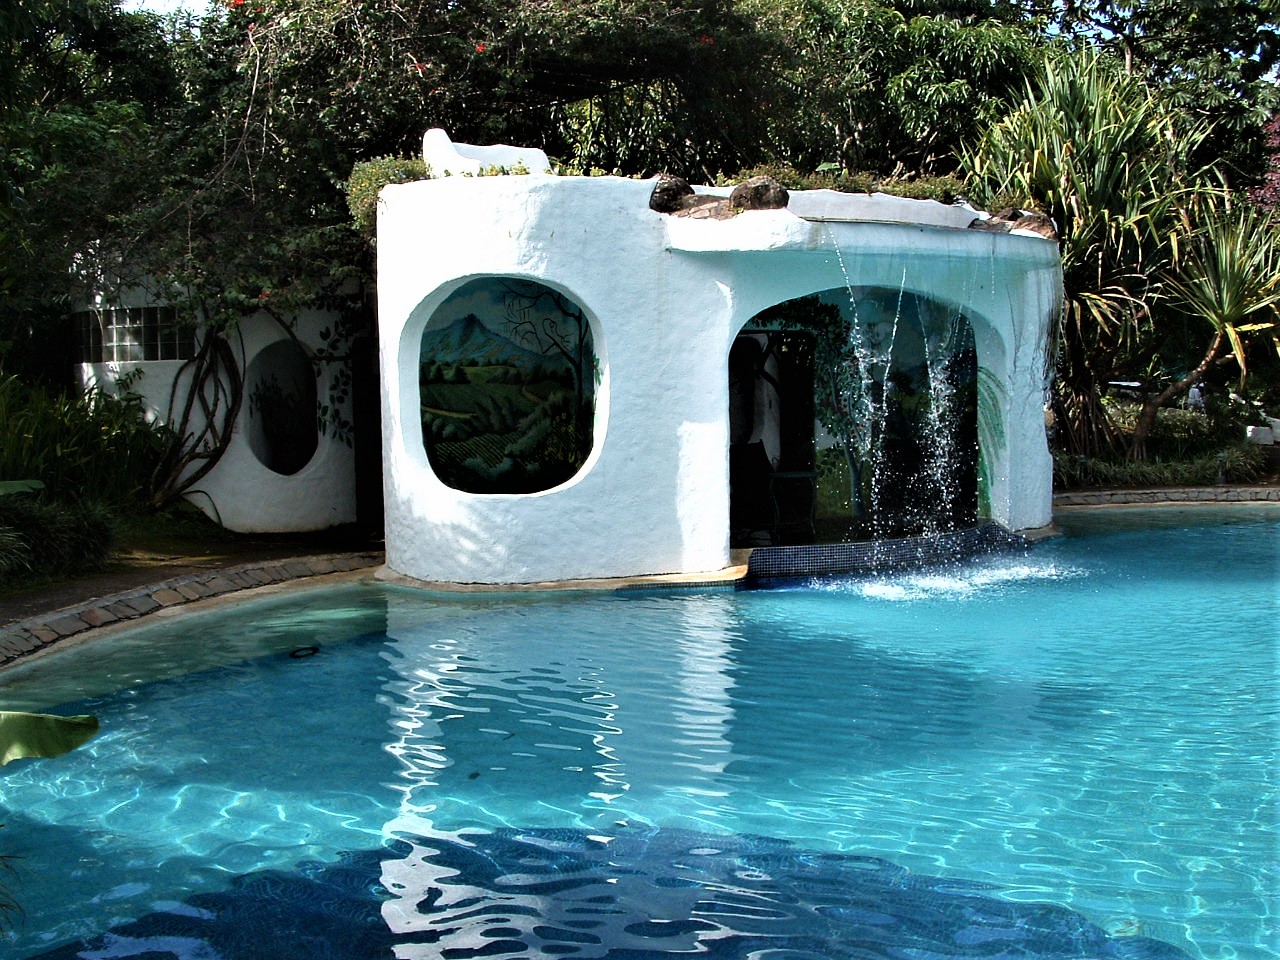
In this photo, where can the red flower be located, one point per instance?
(480, 47)
(264, 296)
(707, 40)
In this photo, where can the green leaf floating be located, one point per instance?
(19, 486)
(42, 734)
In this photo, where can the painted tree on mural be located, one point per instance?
(549, 323)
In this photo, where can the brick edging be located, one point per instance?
(1214, 494)
(19, 639)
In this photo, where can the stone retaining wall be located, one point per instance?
(1217, 494)
(25, 637)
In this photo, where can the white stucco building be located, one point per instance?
(665, 296)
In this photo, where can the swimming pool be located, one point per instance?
(1070, 753)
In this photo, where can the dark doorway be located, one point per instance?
(773, 484)
(366, 415)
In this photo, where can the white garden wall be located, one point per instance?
(242, 492)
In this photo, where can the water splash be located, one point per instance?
(958, 583)
(905, 384)
(942, 347)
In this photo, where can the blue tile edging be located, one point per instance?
(877, 556)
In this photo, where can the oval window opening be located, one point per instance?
(507, 387)
(281, 390)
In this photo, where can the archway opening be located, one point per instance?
(853, 416)
(507, 386)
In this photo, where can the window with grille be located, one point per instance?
(133, 333)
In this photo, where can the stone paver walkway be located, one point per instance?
(38, 633)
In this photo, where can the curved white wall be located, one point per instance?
(244, 495)
(666, 296)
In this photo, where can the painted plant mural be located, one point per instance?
(507, 381)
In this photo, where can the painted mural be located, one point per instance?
(507, 379)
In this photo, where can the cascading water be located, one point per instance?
(944, 346)
(879, 374)
(908, 454)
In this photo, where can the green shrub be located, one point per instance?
(367, 180)
(1245, 463)
(1180, 434)
(15, 558)
(943, 189)
(44, 538)
(89, 444)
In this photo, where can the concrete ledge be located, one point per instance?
(36, 634)
(874, 556)
(730, 576)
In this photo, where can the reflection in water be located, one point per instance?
(814, 772)
(488, 710)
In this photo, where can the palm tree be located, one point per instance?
(1104, 156)
(1229, 275)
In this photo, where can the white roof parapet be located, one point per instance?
(836, 205)
(446, 158)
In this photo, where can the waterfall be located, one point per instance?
(904, 429)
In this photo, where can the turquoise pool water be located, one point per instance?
(1070, 753)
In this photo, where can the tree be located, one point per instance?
(1214, 59)
(80, 85)
(1267, 192)
(1107, 158)
(1229, 276)
(894, 88)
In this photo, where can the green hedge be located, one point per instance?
(942, 189)
(1245, 463)
(367, 180)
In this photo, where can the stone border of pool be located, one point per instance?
(37, 634)
(23, 638)
(1188, 495)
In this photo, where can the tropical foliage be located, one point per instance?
(1108, 157)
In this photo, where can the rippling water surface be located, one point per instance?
(1067, 753)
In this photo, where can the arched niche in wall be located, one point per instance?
(869, 420)
(280, 392)
(507, 385)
